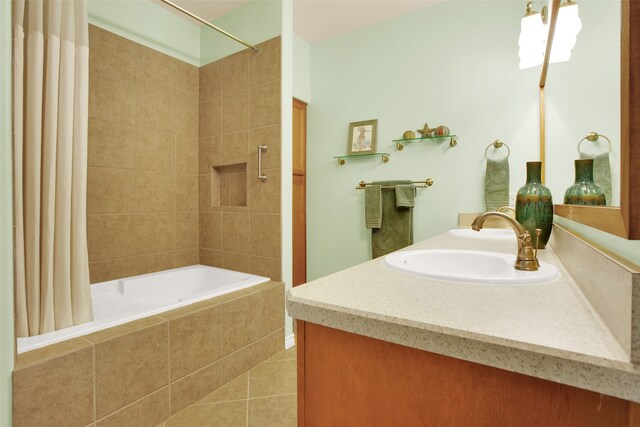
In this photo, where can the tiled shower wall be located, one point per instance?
(142, 194)
(172, 178)
(239, 110)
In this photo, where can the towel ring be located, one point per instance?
(497, 144)
(593, 137)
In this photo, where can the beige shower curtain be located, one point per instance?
(50, 94)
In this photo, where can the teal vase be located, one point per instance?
(534, 206)
(584, 191)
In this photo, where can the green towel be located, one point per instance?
(405, 196)
(396, 230)
(496, 183)
(601, 172)
(372, 206)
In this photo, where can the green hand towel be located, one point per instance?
(601, 172)
(496, 183)
(396, 230)
(372, 206)
(405, 196)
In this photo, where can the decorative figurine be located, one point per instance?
(409, 134)
(426, 130)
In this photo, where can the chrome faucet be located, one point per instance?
(527, 257)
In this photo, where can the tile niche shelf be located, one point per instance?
(400, 143)
(342, 159)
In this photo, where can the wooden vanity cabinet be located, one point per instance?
(346, 379)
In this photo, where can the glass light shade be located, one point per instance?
(532, 41)
(568, 26)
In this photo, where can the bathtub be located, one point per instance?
(120, 301)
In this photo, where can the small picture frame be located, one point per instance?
(362, 137)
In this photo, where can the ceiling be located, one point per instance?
(316, 20)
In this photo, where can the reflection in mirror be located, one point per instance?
(582, 96)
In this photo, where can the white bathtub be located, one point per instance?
(120, 301)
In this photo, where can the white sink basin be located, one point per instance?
(485, 233)
(476, 267)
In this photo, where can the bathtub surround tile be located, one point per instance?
(267, 267)
(272, 310)
(109, 190)
(112, 100)
(235, 148)
(211, 257)
(235, 232)
(38, 398)
(187, 117)
(186, 154)
(195, 341)
(241, 361)
(264, 197)
(235, 111)
(233, 185)
(270, 136)
(186, 196)
(240, 325)
(265, 64)
(236, 262)
(156, 70)
(224, 414)
(153, 232)
(193, 387)
(110, 236)
(265, 104)
(102, 271)
(210, 81)
(158, 261)
(187, 77)
(186, 257)
(209, 154)
(288, 354)
(276, 411)
(235, 72)
(187, 230)
(273, 344)
(112, 144)
(112, 56)
(156, 192)
(155, 109)
(209, 192)
(265, 235)
(155, 151)
(211, 230)
(149, 411)
(210, 117)
(131, 362)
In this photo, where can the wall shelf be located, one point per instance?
(400, 143)
(342, 159)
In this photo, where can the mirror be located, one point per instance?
(591, 92)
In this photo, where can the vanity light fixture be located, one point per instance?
(534, 30)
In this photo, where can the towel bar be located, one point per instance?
(421, 184)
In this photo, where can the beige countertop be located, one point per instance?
(547, 330)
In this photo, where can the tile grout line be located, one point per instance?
(248, 391)
(95, 386)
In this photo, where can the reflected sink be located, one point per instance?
(485, 233)
(464, 266)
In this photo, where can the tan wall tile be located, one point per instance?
(111, 144)
(187, 117)
(154, 192)
(57, 391)
(235, 232)
(211, 257)
(110, 236)
(209, 154)
(156, 70)
(194, 387)
(155, 150)
(265, 104)
(153, 232)
(112, 56)
(264, 197)
(109, 190)
(273, 344)
(236, 262)
(240, 325)
(209, 192)
(235, 111)
(102, 271)
(195, 341)
(272, 310)
(187, 230)
(265, 65)
(265, 235)
(155, 109)
(210, 117)
(273, 410)
(149, 411)
(233, 188)
(130, 367)
(112, 100)
(210, 81)
(235, 148)
(235, 72)
(227, 414)
(268, 267)
(186, 198)
(151, 263)
(269, 135)
(187, 77)
(186, 154)
(211, 230)
(241, 361)
(187, 257)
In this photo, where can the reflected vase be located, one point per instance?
(534, 206)
(585, 191)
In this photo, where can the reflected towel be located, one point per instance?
(601, 172)
(496, 183)
(396, 231)
(405, 196)
(372, 206)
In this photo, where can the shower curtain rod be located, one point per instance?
(208, 24)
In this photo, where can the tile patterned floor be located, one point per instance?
(264, 397)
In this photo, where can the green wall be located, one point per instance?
(301, 69)
(6, 218)
(455, 63)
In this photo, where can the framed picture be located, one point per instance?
(362, 137)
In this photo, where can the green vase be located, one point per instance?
(584, 191)
(534, 207)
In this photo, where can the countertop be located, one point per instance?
(547, 330)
